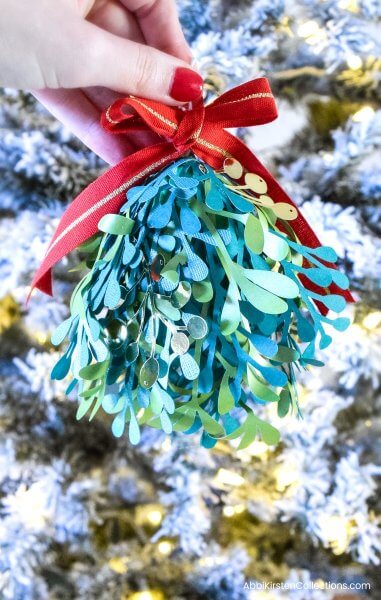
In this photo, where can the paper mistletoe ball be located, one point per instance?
(194, 310)
(206, 288)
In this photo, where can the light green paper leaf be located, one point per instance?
(284, 403)
(172, 276)
(275, 247)
(249, 430)
(261, 298)
(202, 291)
(262, 391)
(269, 434)
(276, 283)
(254, 238)
(115, 224)
(225, 397)
(286, 355)
(84, 407)
(231, 314)
(174, 262)
(91, 391)
(182, 422)
(91, 244)
(95, 371)
(97, 405)
(210, 425)
(165, 307)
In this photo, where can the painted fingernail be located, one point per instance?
(186, 85)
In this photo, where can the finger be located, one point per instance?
(114, 17)
(75, 110)
(98, 57)
(159, 22)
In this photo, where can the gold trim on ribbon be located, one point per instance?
(104, 200)
(109, 119)
(251, 97)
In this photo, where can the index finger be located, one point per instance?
(160, 25)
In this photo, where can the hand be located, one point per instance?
(80, 55)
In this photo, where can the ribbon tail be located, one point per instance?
(105, 195)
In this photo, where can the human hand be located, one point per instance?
(80, 55)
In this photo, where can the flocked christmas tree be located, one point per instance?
(85, 515)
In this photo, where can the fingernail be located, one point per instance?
(186, 85)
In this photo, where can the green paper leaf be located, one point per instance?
(284, 403)
(269, 434)
(167, 308)
(115, 224)
(286, 355)
(249, 430)
(254, 238)
(202, 291)
(276, 283)
(95, 371)
(174, 262)
(210, 425)
(225, 397)
(84, 407)
(262, 299)
(91, 391)
(259, 389)
(172, 276)
(91, 244)
(184, 422)
(231, 314)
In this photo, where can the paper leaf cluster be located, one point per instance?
(194, 310)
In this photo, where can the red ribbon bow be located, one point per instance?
(202, 130)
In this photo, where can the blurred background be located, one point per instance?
(86, 516)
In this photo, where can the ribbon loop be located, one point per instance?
(249, 104)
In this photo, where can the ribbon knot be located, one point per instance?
(202, 129)
(189, 128)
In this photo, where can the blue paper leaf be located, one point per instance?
(190, 222)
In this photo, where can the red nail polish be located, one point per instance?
(186, 85)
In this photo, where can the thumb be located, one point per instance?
(128, 67)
